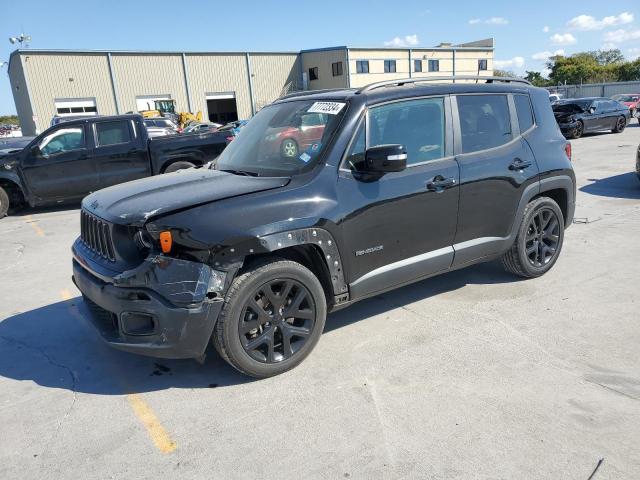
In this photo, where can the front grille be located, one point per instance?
(96, 234)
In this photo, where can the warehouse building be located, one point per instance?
(223, 86)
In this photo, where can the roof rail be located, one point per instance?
(404, 81)
(309, 92)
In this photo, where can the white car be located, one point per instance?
(554, 97)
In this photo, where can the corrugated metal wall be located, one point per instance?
(19, 88)
(211, 73)
(274, 75)
(146, 74)
(596, 89)
(59, 75)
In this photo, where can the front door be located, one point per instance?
(120, 155)
(496, 165)
(60, 168)
(400, 226)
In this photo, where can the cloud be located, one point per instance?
(633, 53)
(545, 29)
(563, 39)
(621, 36)
(587, 22)
(489, 21)
(514, 62)
(547, 54)
(406, 41)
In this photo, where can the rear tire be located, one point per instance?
(578, 131)
(272, 318)
(4, 202)
(621, 123)
(539, 240)
(175, 166)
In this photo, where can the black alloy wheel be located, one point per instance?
(621, 123)
(543, 237)
(579, 130)
(277, 320)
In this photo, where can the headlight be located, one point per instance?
(143, 240)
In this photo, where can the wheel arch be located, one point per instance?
(198, 162)
(14, 190)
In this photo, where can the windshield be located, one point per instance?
(283, 139)
(572, 106)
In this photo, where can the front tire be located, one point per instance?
(175, 166)
(539, 240)
(272, 318)
(621, 123)
(4, 202)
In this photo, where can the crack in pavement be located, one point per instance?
(51, 361)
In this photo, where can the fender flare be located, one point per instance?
(15, 179)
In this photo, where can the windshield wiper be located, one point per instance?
(240, 172)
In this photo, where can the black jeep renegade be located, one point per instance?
(325, 198)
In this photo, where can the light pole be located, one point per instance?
(21, 39)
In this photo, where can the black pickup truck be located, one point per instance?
(72, 159)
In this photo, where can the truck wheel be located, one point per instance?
(621, 123)
(175, 166)
(539, 240)
(4, 202)
(289, 148)
(272, 318)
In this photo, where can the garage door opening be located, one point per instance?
(221, 107)
(67, 107)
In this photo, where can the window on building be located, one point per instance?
(336, 69)
(482, 65)
(416, 124)
(313, 73)
(389, 66)
(417, 65)
(74, 106)
(484, 121)
(112, 133)
(523, 109)
(434, 65)
(362, 66)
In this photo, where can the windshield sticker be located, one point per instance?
(332, 108)
(305, 157)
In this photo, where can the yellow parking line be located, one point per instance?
(35, 226)
(143, 411)
(156, 431)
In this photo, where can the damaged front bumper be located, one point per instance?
(160, 308)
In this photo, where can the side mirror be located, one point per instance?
(35, 151)
(386, 158)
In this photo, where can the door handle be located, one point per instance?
(519, 164)
(439, 183)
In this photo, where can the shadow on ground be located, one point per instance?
(54, 346)
(625, 185)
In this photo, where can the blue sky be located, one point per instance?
(525, 32)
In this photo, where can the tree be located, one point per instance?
(536, 79)
(592, 67)
(504, 73)
(608, 57)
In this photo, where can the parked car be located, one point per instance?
(72, 159)
(406, 182)
(632, 101)
(196, 127)
(579, 115)
(554, 97)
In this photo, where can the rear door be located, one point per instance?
(119, 151)
(400, 226)
(496, 165)
(63, 168)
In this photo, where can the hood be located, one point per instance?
(133, 203)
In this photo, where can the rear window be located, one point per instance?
(484, 121)
(112, 133)
(525, 114)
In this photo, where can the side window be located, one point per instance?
(416, 124)
(484, 121)
(112, 133)
(63, 140)
(355, 155)
(523, 109)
